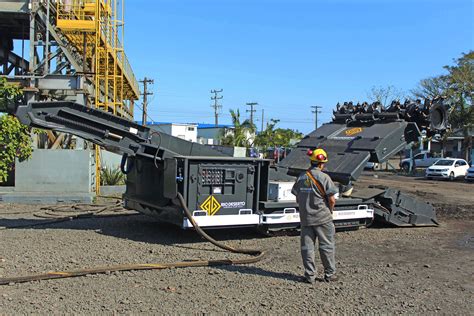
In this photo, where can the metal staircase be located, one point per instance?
(77, 43)
(75, 54)
(94, 28)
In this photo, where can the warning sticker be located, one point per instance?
(353, 131)
(211, 205)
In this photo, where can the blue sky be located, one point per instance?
(287, 54)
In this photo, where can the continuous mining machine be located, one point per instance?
(223, 191)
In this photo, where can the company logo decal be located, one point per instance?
(233, 204)
(211, 205)
(353, 131)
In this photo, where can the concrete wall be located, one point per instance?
(62, 171)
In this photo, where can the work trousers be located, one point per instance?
(325, 235)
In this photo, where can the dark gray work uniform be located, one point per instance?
(316, 222)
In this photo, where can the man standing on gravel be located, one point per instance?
(315, 193)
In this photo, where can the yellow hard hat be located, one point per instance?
(317, 155)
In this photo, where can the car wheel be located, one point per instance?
(451, 176)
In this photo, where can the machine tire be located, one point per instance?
(451, 176)
(406, 167)
(369, 223)
(264, 231)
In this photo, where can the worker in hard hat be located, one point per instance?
(316, 196)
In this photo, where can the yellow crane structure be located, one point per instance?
(96, 28)
(76, 53)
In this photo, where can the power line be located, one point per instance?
(316, 111)
(251, 104)
(145, 94)
(216, 105)
(148, 116)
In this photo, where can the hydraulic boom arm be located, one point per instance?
(109, 131)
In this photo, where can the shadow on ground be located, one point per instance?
(135, 227)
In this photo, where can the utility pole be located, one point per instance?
(252, 110)
(145, 94)
(216, 105)
(316, 111)
(263, 111)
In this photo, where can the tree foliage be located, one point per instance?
(15, 140)
(430, 88)
(458, 87)
(384, 95)
(242, 133)
(276, 137)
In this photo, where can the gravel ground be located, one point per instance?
(382, 270)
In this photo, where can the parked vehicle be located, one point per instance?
(447, 168)
(371, 166)
(421, 160)
(470, 174)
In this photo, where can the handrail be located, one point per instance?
(75, 10)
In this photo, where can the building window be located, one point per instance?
(191, 129)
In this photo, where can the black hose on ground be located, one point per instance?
(257, 256)
(203, 234)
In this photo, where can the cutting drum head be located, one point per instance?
(438, 117)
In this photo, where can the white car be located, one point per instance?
(447, 168)
(371, 166)
(421, 160)
(470, 174)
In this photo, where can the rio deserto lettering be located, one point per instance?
(232, 204)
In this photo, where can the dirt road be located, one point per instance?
(385, 270)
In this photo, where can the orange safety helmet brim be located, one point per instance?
(317, 155)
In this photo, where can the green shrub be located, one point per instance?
(111, 176)
(15, 140)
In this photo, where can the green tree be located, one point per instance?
(458, 87)
(431, 88)
(460, 92)
(15, 140)
(276, 137)
(241, 136)
(266, 137)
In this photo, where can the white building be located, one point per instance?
(181, 130)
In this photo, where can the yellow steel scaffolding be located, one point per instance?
(96, 29)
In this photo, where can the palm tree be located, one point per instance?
(242, 133)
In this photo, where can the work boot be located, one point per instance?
(307, 280)
(330, 278)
